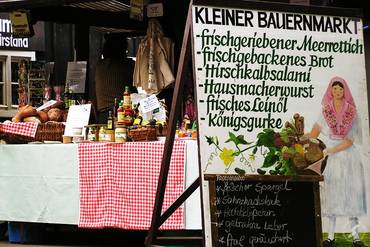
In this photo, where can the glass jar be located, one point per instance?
(120, 133)
(91, 135)
(109, 135)
(102, 134)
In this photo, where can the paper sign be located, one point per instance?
(76, 76)
(20, 24)
(149, 104)
(46, 105)
(155, 10)
(78, 116)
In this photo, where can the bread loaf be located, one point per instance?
(55, 114)
(43, 116)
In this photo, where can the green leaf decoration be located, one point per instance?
(233, 138)
(243, 141)
(237, 139)
(266, 138)
(273, 150)
(209, 140)
(270, 159)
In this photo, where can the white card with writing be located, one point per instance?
(149, 104)
(78, 117)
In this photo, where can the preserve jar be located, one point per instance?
(120, 133)
(102, 134)
(91, 136)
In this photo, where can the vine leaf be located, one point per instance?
(237, 139)
(210, 140)
(266, 138)
(270, 159)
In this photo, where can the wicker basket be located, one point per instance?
(143, 134)
(49, 131)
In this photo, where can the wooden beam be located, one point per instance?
(9, 5)
(174, 115)
(87, 17)
(185, 195)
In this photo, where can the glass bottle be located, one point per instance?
(115, 109)
(127, 98)
(72, 97)
(120, 113)
(110, 121)
(66, 95)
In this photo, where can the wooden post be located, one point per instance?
(157, 218)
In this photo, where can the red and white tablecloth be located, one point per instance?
(118, 184)
(23, 129)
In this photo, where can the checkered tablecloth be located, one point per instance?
(22, 129)
(118, 184)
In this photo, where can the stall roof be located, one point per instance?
(110, 14)
(8, 5)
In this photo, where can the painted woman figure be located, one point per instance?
(343, 193)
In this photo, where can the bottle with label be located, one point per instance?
(72, 97)
(110, 121)
(120, 113)
(115, 109)
(127, 98)
(66, 95)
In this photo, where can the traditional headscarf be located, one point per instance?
(340, 123)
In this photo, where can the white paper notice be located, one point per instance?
(46, 105)
(76, 76)
(149, 104)
(78, 116)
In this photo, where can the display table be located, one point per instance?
(40, 183)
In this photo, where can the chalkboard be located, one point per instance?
(260, 211)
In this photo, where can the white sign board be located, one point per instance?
(76, 76)
(78, 117)
(256, 69)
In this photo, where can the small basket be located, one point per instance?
(143, 134)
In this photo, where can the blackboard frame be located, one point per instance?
(313, 180)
